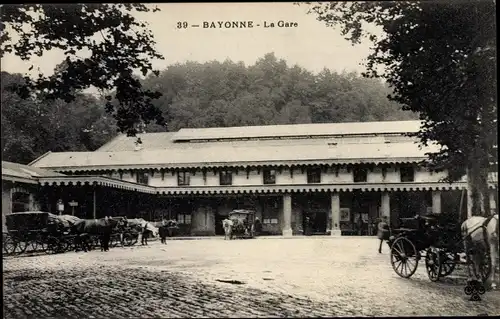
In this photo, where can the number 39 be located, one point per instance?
(182, 25)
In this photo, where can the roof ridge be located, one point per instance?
(38, 158)
(296, 124)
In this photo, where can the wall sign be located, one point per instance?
(345, 214)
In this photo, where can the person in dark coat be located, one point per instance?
(258, 226)
(383, 232)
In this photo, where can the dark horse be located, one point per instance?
(102, 228)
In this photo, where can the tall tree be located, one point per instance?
(439, 58)
(118, 44)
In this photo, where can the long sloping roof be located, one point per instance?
(165, 140)
(24, 172)
(243, 154)
(316, 129)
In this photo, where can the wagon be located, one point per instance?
(128, 235)
(36, 231)
(437, 239)
(243, 223)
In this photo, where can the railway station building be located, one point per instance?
(339, 177)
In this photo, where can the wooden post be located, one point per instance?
(94, 203)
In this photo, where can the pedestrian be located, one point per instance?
(383, 232)
(360, 225)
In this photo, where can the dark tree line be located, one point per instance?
(196, 95)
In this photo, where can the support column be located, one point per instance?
(386, 206)
(436, 202)
(94, 210)
(335, 215)
(32, 202)
(287, 215)
(493, 202)
(469, 201)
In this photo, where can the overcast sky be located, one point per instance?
(311, 45)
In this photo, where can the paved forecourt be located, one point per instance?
(311, 276)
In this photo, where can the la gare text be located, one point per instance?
(248, 24)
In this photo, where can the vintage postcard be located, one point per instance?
(271, 159)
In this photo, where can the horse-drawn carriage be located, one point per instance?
(436, 238)
(37, 231)
(242, 223)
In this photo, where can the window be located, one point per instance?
(269, 176)
(184, 218)
(183, 178)
(360, 175)
(142, 178)
(226, 178)
(313, 175)
(20, 202)
(407, 174)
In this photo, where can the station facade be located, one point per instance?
(332, 178)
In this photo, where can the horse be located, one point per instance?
(480, 236)
(166, 229)
(147, 228)
(102, 227)
(227, 224)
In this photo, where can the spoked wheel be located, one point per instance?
(9, 245)
(22, 246)
(448, 263)
(130, 239)
(433, 263)
(114, 241)
(404, 257)
(55, 245)
(485, 266)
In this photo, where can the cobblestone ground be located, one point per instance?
(241, 278)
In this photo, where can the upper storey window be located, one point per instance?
(183, 178)
(360, 175)
(226, 178)
(142, 178)
(269, 176)
(407, 174)
(314, 175)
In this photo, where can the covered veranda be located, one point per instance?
(95, 197)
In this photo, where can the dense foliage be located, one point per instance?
(439, 57)
(197, 95)
(268, 92)
(33, 126)
(116, 45)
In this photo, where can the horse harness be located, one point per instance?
(483, 226)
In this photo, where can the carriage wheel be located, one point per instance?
(22, 246)
(448, 263)
(33, 245)
(433, 263)
(130, 239)
(9, 245)
(404, 257)
(485, 267)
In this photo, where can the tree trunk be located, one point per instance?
(477, 180)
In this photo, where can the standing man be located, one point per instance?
(360, 225)
(383, 232)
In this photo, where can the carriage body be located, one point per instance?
(435, 237)
(243, 223)
(36, 231)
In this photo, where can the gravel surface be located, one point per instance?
(241, 278)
